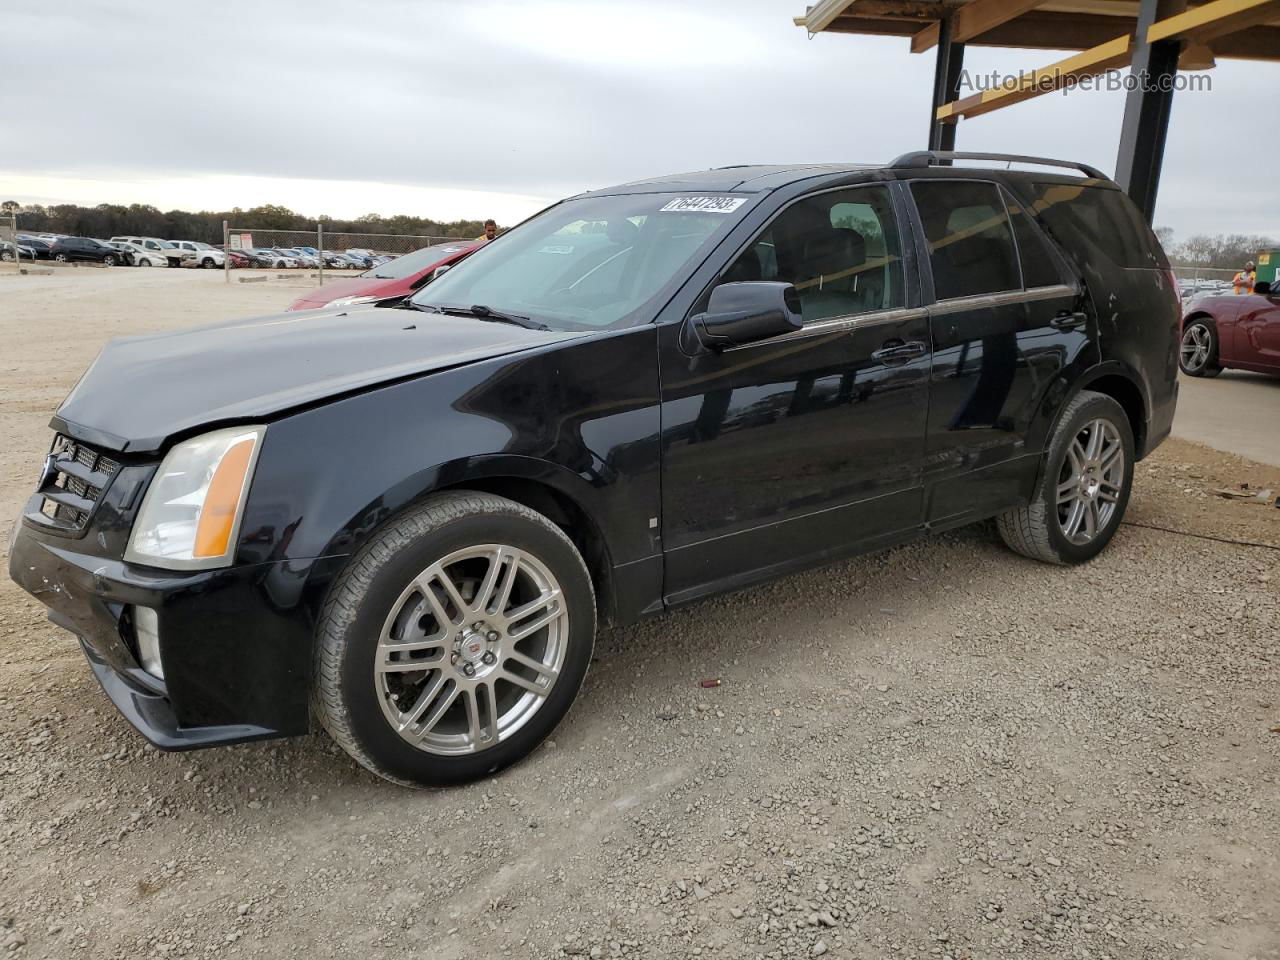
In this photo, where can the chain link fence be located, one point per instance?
(318, 252)
(1196, 280)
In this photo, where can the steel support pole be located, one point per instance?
(320, 249)
(946, 86)
(1147, 106)
(226, 253)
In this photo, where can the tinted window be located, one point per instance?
(1040, 265)
(840, 249)
(1100, 221)
(970, 243)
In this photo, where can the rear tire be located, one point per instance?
(1084, 489)
(453, 585)
(108, 261)
(1198, 350)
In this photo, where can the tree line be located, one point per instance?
(1224, 251)
(143, 220)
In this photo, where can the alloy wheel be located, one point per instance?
(471, 649)
(1090, 481)
(1197, 341)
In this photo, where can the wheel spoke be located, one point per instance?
(429, 693)
(484, 594)
(1077, 456)
(1095, 440)
(1067, 490)
(507, 585)
(426, 583)
(1110, 454)
(441, 707)
(1072, 524)
(1091, 520)
(543, 671)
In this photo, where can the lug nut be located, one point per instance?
(492, 636)
(489, 657)
(453, 659)
(469, 669)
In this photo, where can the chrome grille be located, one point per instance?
(75, 478)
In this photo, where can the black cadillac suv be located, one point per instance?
(406, 522)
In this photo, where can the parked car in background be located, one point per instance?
(9, 251)
(202, 254)
(165, 248)
(140, 256)
(1232, 332)
(393, 280)
(239, 258)
(70, 249)
(304, 259)
(38, 245)
(275, 259)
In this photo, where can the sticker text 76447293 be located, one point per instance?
(703, 205)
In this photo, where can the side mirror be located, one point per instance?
(747, 311)
(1264, 287)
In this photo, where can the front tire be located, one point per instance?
(1084, 490)
(454, 641)
(1198, 351)
(108, 261)
(207, 263)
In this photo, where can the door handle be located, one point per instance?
(897, 351)
(1067, 320)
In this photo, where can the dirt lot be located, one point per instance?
(943, 751)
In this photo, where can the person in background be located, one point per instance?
(490, 231)
(1242, 282)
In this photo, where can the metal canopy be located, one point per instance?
(1155, 37)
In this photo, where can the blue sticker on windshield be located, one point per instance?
(703, 205)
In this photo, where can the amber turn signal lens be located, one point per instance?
(213, 535)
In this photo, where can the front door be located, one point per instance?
(1258, 333)
(802, 447)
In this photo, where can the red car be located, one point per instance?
(1237, 331)
(391, 280)
(238, 259)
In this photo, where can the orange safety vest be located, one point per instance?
(1243, 282)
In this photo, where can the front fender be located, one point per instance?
(580, 417)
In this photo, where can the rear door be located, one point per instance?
(1006, 321)
(1258, 333)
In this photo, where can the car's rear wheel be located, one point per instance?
(1198, 352)
(108, 261)
(60, 257)
(454, 641)
(144, 261)
(1084, 488)
(6, 256)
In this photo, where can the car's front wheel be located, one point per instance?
(108, 261)
(454, 641)
(1084, 489)
(1198, 352)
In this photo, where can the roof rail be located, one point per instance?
(923, 158)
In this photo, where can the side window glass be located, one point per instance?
(840, 249)
(1040, 265)
(970, 242)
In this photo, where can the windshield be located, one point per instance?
(590, 263)
(415, 262)
(166, 245)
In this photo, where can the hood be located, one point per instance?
(140, 391)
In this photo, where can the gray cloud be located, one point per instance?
(544, 99)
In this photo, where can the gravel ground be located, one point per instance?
(944, 751)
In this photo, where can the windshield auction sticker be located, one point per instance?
(703, 205)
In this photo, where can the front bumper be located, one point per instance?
(235, 643)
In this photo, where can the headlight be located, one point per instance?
(348, 301)
(191, 514)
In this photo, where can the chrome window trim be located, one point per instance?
(978, 301)
(842, 324)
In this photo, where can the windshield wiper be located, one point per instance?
(481, 312)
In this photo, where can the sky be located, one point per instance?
(476, 108)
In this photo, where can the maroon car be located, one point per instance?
(1241, 332)
(392, 280)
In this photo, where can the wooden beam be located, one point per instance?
(1039, 30)
(977, 17)
(1260, 43)
(817, 17)
(876, 27)
(1034, 83)
(1215, 19)
(926, 38)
